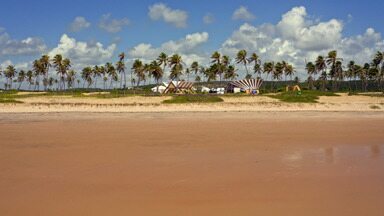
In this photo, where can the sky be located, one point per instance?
(94, 32)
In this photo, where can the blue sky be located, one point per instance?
(50, 20)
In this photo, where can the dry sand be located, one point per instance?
(135, 104)
(302, 163)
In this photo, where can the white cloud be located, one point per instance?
(208, 18)
(187, 47)
(176, 17)
(13, 47)
(112, 25)
(242, 13)
(296, 38)
(83, 53)
(79, 24)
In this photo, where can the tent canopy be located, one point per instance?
(246, 84)
(179, 87)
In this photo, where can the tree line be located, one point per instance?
(324, 69)
(330, 68)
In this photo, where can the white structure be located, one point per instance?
(236, 90)
(220, 90)
(158, 89)
(205, 89)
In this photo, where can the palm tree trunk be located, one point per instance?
(125, 80)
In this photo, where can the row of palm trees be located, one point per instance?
(221, 67)
(330, 68)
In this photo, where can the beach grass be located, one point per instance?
(185, 99)
(304, 97)
(374, 107)
(9, 97)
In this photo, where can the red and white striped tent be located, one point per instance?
(179, 87)
(247, 84)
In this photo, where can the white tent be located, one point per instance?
(159, 89)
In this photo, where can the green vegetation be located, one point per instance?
(9, 97)
(181, 99)
(305, 97)
(374, 107)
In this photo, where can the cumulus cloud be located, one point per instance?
(242, 13)
(187, 47)
(112, 25)
(13, 47)
(176, 17)
(208, 18)
(79, 24)
(296, 38)
(83, 53)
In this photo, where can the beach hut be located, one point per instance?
(179, 87)
(250, 86)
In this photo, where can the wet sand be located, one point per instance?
(296, 163)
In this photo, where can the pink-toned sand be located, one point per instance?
(299, 164)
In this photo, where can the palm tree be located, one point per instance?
(86, 75)
(321, 67)
(269, 68)
(157, 72)
(103, 73)
(51, 81)
(334, 73)
(138, 70)
(29, 78)
(111, 71)
(21, 77)
(278, 72)
(45, 65)
(62, 66)
(225, 61)
(105, 79)
(38, 70)
(10, 73)
(195, 68)
(230, 73)
(241, 58)
(216, 67)
(147, 73)
(163, 60)
(210, 73)
(96, 72)
(339, 73)
(363, 75)
(378, 64)
(176, 64)
(350, 73)
(58, 65)
(257, 64)
(197, 78)
(288, 70)
(71, 77)
(120, 67)
(311, 70)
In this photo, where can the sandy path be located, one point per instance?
(306, 163)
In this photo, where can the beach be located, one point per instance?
(304, 162)
(150, 104)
